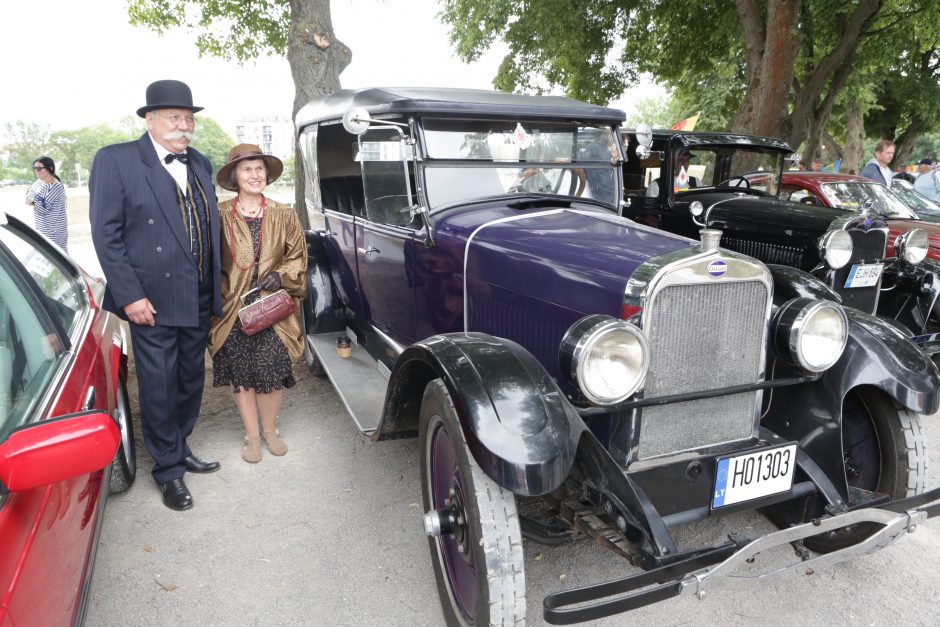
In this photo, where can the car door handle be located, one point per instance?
(89, 401)
(326, 233)
(368, 251)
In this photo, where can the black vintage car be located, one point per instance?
(570, 372)
(732, 183)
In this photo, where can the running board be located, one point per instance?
(357, 379)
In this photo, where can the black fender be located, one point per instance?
(876, 354)
(519, 426)
(794, 283)
(322, 313)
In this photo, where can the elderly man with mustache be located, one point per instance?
(155, 226)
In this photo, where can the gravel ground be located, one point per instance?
(331, 534)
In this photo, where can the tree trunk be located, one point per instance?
(814, 101)
(771, 53)
(904, 144)
(854, 137)
(316, 60)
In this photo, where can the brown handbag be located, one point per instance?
(266, 311)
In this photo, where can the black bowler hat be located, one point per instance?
(168, 94)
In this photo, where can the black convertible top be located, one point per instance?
(453, 101)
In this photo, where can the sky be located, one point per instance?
(80, 62)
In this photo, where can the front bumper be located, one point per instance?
(697, 574)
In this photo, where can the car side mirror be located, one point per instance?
(50, 451)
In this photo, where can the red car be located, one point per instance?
(66, 438)
(850, 192)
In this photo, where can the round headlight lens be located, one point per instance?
(818, 335)
(912, 246)
(610, 361)
(835, 248)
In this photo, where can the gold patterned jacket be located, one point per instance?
(283, 250)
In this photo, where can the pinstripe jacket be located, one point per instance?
(139, 237)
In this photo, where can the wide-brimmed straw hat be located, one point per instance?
(247, 151)
(168, 94)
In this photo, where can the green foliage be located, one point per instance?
(230, 29)
(212, 141)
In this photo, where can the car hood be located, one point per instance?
(577, 258)
(764, 210)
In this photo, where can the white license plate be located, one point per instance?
(864, 275)
(753, 475)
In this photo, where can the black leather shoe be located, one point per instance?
(176, 495)
(195, 464)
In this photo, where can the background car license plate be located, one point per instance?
(753, 475)
(864, 275)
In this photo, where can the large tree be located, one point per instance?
(774, 68)
(241, 30)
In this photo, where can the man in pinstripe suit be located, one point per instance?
(155, 226)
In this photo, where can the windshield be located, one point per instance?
(469, 159)
(854, 195)
(913, 199)
(694, 167)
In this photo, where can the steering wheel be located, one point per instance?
(538, 180)
(742, 182)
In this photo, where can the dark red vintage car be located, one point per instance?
(853, 193)
(66, 439)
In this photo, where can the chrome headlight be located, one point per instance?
(812, 332)
(835, 248)
(605, 358)
(912, 246)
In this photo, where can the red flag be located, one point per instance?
(687, 124)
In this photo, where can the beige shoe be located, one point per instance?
(275, 443)
(251, 452)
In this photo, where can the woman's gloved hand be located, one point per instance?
(271, 282)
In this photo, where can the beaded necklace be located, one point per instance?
(235, 215)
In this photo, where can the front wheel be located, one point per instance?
(124, 465)
(884, 451)
(472, 524)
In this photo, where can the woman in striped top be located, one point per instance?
(47, 196)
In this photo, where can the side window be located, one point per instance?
(308, 145)
(29, 342)
(56, 280)
(384, 160)
(339, 174)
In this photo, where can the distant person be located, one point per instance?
(926, 182)
(903, 174)
(877, 168)
(155, 226)
(263, 247)
(47, 197)
(682, 180)
(817, 165)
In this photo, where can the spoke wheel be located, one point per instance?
(477, 554)
(124, 465)
(884, 451)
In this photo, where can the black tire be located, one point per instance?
(485, 584)
(124, 465)
(884, 450)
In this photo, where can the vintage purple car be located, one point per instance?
(569, 372)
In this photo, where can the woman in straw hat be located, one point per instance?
(262, 247)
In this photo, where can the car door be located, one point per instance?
(387, 236)
(46, 370)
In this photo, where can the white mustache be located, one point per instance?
(189, 135)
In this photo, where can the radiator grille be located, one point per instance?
(766, 251)
(868, 247)
(702, 337)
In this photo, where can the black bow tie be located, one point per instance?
(182, 158)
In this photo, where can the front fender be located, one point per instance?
(794, 283)
(519, 426)
(876, 354)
